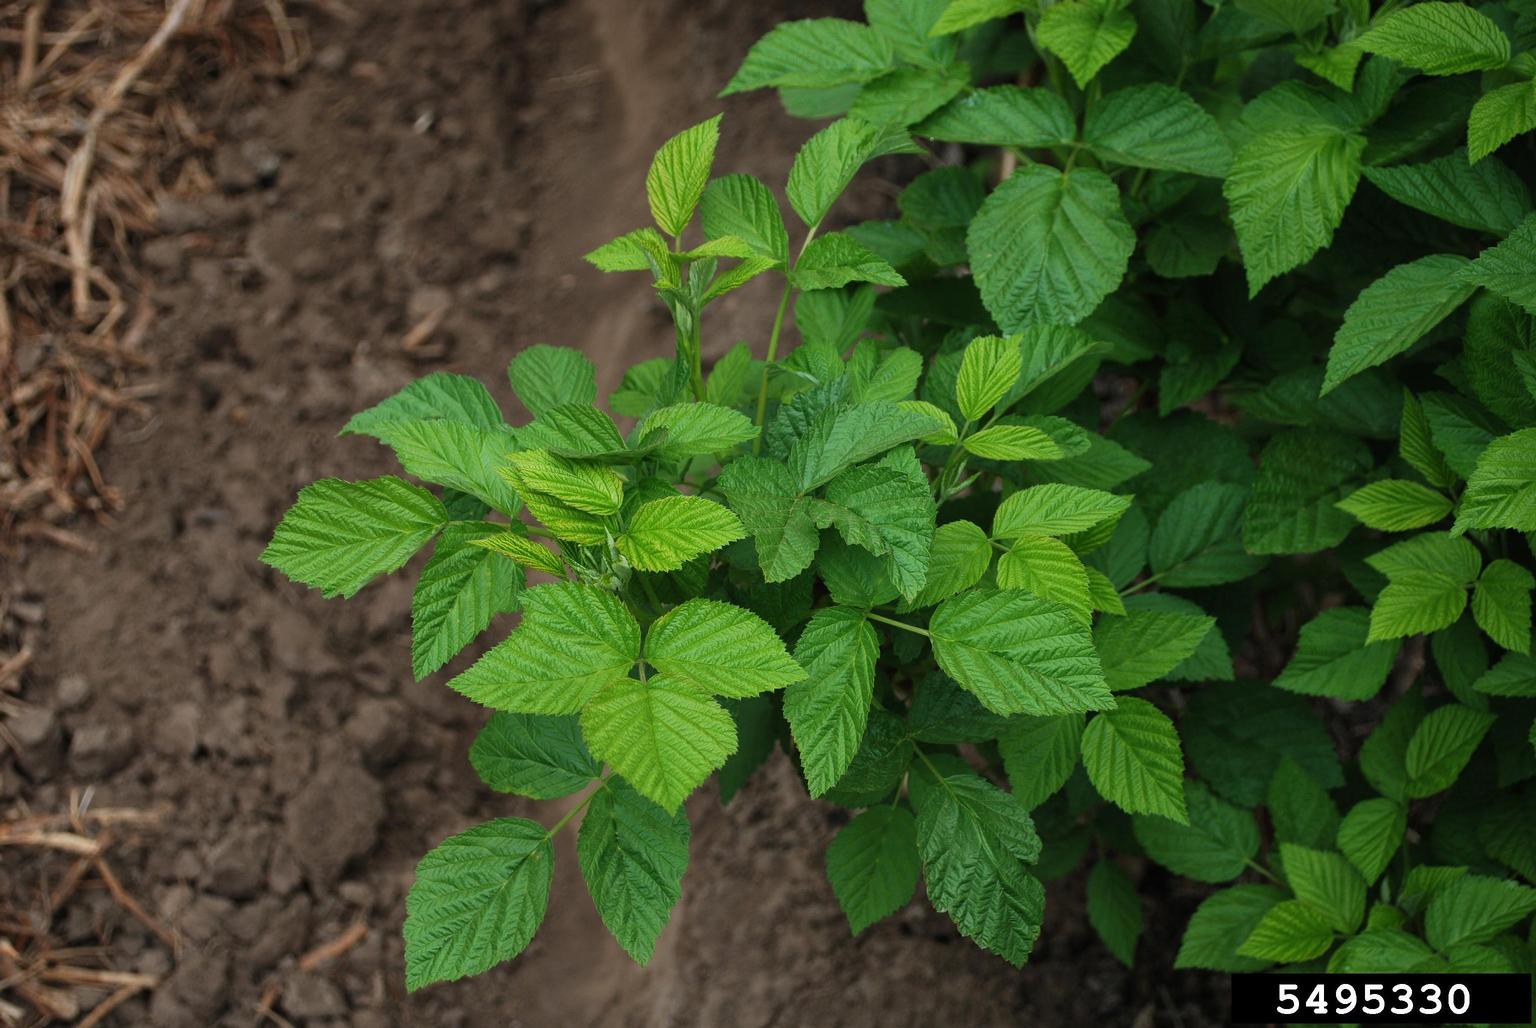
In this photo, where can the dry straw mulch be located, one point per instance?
(96, 128)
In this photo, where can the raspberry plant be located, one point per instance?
(1156, 486)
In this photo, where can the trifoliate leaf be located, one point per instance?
(1003, 116)
(1214, 846)
(1327, 883)
(1132, 756)
(1501, 604)
(1500, 115)
(1370, 834)
(548, 376)
(664, 735)
(531, 755)
(665, 534)
(1287, 191)
(1394, 312)
(477, 900)
(1040, 754)
(678, 175)
(1438, 39)
(828, 710)
(1486, 196)
(1086, 34)
(341, 534)
(1221, 924)
(720, 648)
(573, 641)
(959, 556)
(1018, 654)
(462, 587)
(813, 53)
(989, 367)
(1055, 509)
(1198, 539)
(454, 454)
(1289, 932)
(1333, 658)
(1441, 746)
(1047, 247)
(873, 865)
(1157, 126)
(1049, 569)
(835, 259)
(438, 395)
(525, 551)
(1302, 474)
(633, 855)
(1114, 909)
(1144, 645)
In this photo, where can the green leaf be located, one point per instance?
(959, 556)
(813, 53)
(1327, 883)
(1370, 835)
(1395, 505)
(1295, 16)
(1501, 604)
(1287, 191)
(1186, 245)
(1441, 746)
(1498, 116)
(1334, 659)
(1394, 312)
(843, 436)
(1114, 910)
(462, 587)
(1133, 758)
(1476, 908)
(907, 95)
(1198, 541)
(454, 454)
(827, 710)
(1501, 491)
(1486, 196)
(1417, 446)
(973, 838)
(1238, 735)
(741, 206)
(1157, 126)
(963, 14)
(1214, 846)
(887, 508)
(678, 174)
(764, 495)
(1040, 754)
(1438, 39)
(339, 534)
(515, 546)
(1013, 442)
(1301, 475)
(826, 164)
(1144, 645)
(547, 376)
(873, 865)
(664, 735)
(573, 640)
(988, 370)
(835, 259)
(1415, 602)
(1085, 34)
(1055, 509)
(633, 855)
(477, 900)
(589, 487)
(575, 430)
(1003, 116)
(1460, 429)
(1509, 269)
(1289, 932)
(540, 757)
(1018, 653)
(641, 250)
(665, 534)
(1049, 569)
(720, 648)
(1300, 809)
(694, 429)
(1222, 923)
(1047, 247)
(438, 395)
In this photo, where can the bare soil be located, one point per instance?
(435, 155)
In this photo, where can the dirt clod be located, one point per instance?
(332, 819)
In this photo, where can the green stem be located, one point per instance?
(773, 353)
(602, 783)
(898, 624)
(1254, 865)
(1139, 586)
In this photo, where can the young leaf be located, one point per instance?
(1133, 758)
(1486, 196)
(1334, 659)
(1047, 247)
(1049, 569)
(1499, 116)
(1438, 39)
(873, 865)
(1040, 754)
(575, 430)
(1018, 654)
(1055, 510)
(1370, 835)
(988, 370)
(813, 53)
(664, 736)
(1086, 34)
(1441, 746)
(1327, 883)
(573, 641)
(1114, 909)
(720, 648)
(694, 429)
(963, 14)
(665, 534)
(827, 710)
(1157, 126)
(462, 587)
(454, 454)
(540, 757)
(1009, 442)
(1289, 932)
(438, 395)
(1197, 541)
(835, 259)
(1394, 312)
(477, 900)
(678, 175)
(588, 487)
(339, 535)
(1003, 116)
(515, 546)
(741, 206)
(547, 376)
(1214, 846)
(633, 855)
(1221, 924)
(1144, 645)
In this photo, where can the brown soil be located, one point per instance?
(466, 154)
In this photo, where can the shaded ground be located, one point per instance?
(455, 157)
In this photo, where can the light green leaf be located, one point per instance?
(1133, 758)
(873, 865)
(529, 755)
(1055, 509)
(1198, 538)
(1417, 446)
(1394, 312)
(454, 454)
(438, 395)
(547, 376)
(989, 367)
(679, 172)
(694, 429)
(1085, 34)
(1438, 39)
(813, 53)
(1157, 126)
(1327, 883)
(515, 546)
(1415, 602)
(1301, 475)
(963, 14)
(1513, 675)
(339, 534)
(1441, 746)
(721, 648)
(1049, 569)
(1486, 196)
(1370, 835)
(1476, 908)
(1334, 659)
(741, 206)
(1222, 923)
(1395, 505)
(1047, 247)
(593, 488)
(1499, 116)
(665, 534)
(664, 735)
(1509, 269)
(1040, 754)
(1214, 846)
(1144, 645)
(633, 855)
(641, 250)
(1501, 491)
(959, 556)
(1018, 653)
(1501, 604)
(835, 259)
(573, 640)
(477, 900)
(1003, 116)
(1289, 932)
(828, 710)
(462, 587)
(575, 430)
(1114, 909)
(1013, 442)
(826, 164)
(1287, 191)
